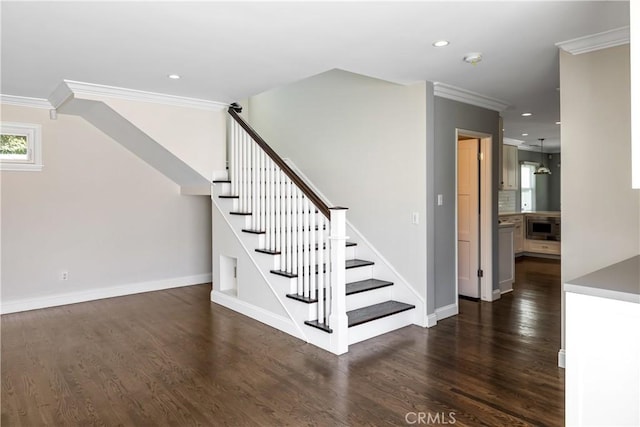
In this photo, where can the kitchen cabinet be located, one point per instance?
(518, 231)
(547, 247)
(509, 167)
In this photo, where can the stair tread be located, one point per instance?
(248, 230)
(227, 196)
(366, 285)
(221, 181)
(240, 213)
(376, 311)
(351, 289)
(350, 263)
(354, 263)
(274, 252)
(318, 325)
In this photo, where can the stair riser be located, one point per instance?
(380, 326)
(359, 273)
(367, 298)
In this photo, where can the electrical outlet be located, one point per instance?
(64, 275)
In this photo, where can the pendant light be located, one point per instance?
(542, 169)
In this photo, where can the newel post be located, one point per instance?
(338, 318)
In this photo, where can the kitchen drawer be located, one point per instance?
(542, 247)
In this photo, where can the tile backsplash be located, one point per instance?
(506, 201)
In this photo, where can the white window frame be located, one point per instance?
(33, 133)
(532, 188)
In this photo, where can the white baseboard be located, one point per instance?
(257, 313)
(447, 311)
(561, 358)
(101, 293)
(432, 320)
(495, 295)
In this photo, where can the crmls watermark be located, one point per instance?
(430, 418)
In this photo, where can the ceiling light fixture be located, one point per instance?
(440, 43)
(527, 114)
(173, 76)
(542, 169)
(473, 58)
(525, 134)
(557, 123)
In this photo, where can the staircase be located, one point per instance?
(299, 246)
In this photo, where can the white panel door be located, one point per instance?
(468, 218)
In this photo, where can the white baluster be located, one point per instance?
(283, 215)
(232, 156)
(306, 248)
(241, 172)
(245, 168)
(261, 200)
(289, 229)
(294, 230)
(271, 207)
(321, 273)
(255, 169)
(300, 242)
(313, 278)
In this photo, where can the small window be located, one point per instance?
(527, 187)
(20, 147)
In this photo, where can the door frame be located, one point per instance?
(486, 206)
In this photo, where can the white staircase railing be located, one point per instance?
(308, 236)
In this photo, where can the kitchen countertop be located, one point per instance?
(619, 281)
(506, 224)
(549, 213)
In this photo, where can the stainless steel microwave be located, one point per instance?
(543, 228)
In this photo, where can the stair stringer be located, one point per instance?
(296, 312)
(383, 269)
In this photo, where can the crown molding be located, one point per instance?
(593, 42)
(444, 90)
(70, 88)
(24, 101)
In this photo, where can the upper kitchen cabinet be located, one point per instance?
(509, 167)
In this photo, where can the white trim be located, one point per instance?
(257, 313)
(593, 42)
(432, 320)
(25, 101)
(91, 89)
(26, 304)
(60, 95)
(444, 90)
(562, 357)
(33, 134)
(447, 311)
(497, 293)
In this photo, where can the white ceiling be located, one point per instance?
(227, 51)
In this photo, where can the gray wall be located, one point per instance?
(547, 186)
(449, 116)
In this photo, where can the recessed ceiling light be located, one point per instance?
(525, 134)
(527, 114)
(440, 43)
(173, 76)
(557, 123)
(473, 58)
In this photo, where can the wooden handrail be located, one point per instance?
(234, 109)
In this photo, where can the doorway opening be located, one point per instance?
(474, 228)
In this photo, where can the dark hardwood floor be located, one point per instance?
(174, 358)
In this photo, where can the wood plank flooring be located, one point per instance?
(174, 358)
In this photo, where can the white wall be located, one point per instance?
(600, 211)
(599, 208)
(100, 213)
(362, 142)
(195, 136)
